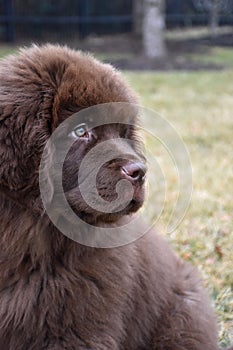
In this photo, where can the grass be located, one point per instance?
(218, 55)
(194, 32)
(6, 50)
(200, 106)
(222, 56)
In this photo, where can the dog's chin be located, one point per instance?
(96, 218)
(131, 208)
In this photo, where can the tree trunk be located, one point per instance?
(214, 18)
(153, 29)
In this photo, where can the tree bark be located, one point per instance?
(214, 17)
(153, 29)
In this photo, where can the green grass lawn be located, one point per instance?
(6, 50)
(200, 106)
(217, 55)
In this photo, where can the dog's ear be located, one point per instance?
(46, 173)
(10, 155)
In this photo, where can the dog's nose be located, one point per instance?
(134, 172)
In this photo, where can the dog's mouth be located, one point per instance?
(94, 217)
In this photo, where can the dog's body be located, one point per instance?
(64, 296)
(56, 294)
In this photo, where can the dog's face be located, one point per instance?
(38, 91)
(109, 172)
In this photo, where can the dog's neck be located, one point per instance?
(30, 242)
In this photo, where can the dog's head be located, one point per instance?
(39, 89)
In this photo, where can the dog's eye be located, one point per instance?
(80, 131)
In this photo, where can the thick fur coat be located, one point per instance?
(56, 294)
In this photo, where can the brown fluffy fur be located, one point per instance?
(54, 293)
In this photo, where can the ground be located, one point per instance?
(186, 50)
(194, 93)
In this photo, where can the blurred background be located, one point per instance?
(133, 34)
(178, 55)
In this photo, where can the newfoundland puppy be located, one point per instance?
(58, 294)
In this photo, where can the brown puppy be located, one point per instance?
(55, 293)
